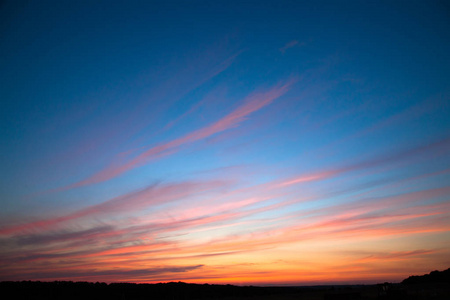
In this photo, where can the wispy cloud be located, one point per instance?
(252, 103)
(221, 220)
(289, 45)
(395, 255)
(109, 275)
(105, 248)
(152, 195)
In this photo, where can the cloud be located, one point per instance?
(108, 274)
(431, 149)
(357, 220)
(252, 103)
(32, 239)
(188, 231)
(395, 255)
(152, 195)
(104, 249)
(289, 45)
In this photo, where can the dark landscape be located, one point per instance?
(435, 285)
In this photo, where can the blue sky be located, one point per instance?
(225, 120)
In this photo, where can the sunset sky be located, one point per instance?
(233, 142)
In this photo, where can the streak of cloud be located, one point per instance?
(150, 196)
(252, 103)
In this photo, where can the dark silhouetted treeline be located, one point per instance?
(433, 277)
(435, 285)
(68, 290)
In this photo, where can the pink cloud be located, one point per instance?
(137, 200)
(252, 103)
(364, 221)
(309, 177)
(289, 45)
(434, 148)
(196, 72)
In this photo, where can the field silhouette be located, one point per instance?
(435, 285)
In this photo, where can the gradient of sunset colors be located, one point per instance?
(232, 142)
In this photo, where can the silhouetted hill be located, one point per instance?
(430, 286)
(432, 277)
(69, 290)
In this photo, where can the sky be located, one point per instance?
(230, 142)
